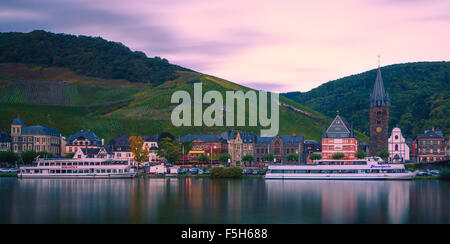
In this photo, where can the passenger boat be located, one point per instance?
(77, 168)
(367, 169)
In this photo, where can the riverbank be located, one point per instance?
(8, 175)
(196, 176)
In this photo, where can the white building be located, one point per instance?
(398, 149)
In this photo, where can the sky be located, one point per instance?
(275, 45)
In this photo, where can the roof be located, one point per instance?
(247, 137)
(90, 151)
(339, 128)
(311, 142)
(18, 121)
(86, 135)
(5, 139)
(290, 139)
(4, 133)
(39, 130)
(150, 138)
(379, 98)
(263, 140)
(430, 134)
(120, 141)
(287, 139)
(204, 138)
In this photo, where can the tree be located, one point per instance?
(248, 158)
(28, 157)
(203, 159)
(292, 157)
(169, 150)
(224, 158)
(69, 155)
(166, 135)
(138, 149)
(315, 156)
(361, 154)
(44, 154)
(338, 156)
(8, 157)
(268, 157)
(384, 154)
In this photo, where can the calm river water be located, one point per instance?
(188, 200)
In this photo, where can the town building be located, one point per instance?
(38, 138)
(5, 141)
(82, 139)
(279, 146)
(210, 145)
(311, 147)
(151, 142)
(430, 146)
(398, 149)
(339, 138)
(121, 150)
(101, 152)
(239, 144)
(379, 117)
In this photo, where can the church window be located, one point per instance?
(378, 122)
(396, 137)
(396, 147)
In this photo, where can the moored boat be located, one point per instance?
(77, 168)
(366, 169)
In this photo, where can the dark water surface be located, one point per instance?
(222, 201)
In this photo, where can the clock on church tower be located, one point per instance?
(379, 117)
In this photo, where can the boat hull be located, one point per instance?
(406, 176)
(77, 176)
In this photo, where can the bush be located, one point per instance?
(444, 174)
(230, 173)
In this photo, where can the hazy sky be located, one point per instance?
(275, 45)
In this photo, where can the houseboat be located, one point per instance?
(367, 169)
(77, 168)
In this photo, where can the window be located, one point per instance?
(396, 147)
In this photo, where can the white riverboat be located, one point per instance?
(97, 168)
(367, 169)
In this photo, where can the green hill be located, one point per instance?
(70, 98)
(85, 55)
(419, 93)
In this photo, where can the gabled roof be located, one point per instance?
(339, 128)
(379, 98)
(87, 135)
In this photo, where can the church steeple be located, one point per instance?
(379, 98)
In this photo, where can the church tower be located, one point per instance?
(379, 117)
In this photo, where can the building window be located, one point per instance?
(396, 147)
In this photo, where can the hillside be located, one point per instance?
(69, 99)
(66, 101)
(419, 93)
(85, 55)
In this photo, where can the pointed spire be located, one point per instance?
(379, 98)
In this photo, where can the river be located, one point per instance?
(191, 200)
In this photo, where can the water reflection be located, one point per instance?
(222, 201)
